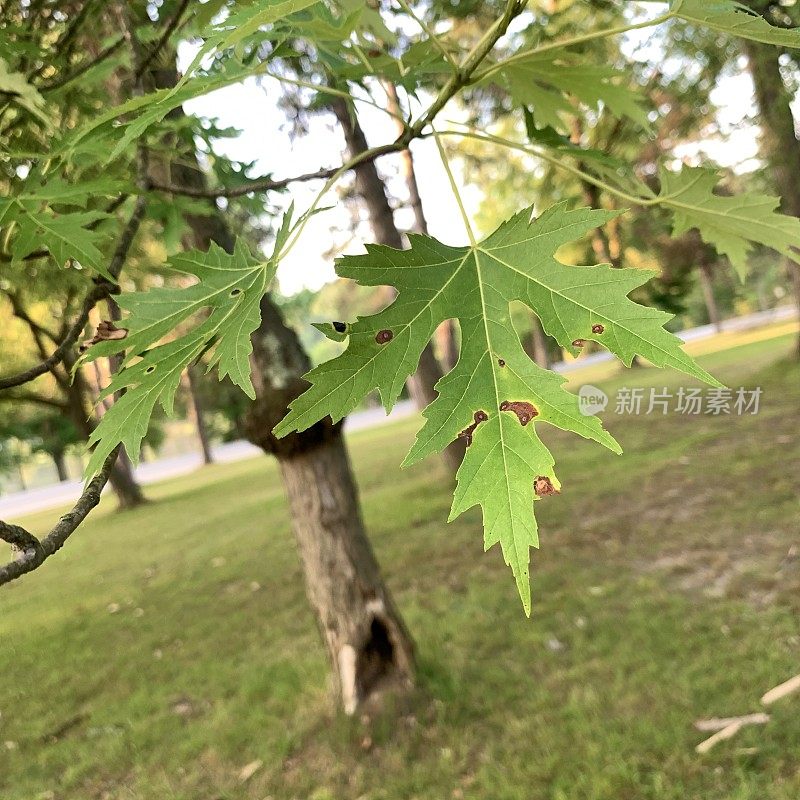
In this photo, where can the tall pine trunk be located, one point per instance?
(779, 140)
(366, 639)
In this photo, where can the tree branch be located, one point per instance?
(34, 552)
(84, 67)
(257, 185)
(458, 80)
(32, 397)
(101, 290)
(145, 61)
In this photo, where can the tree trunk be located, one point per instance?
(129, 493)
(368, 644)
(538, 344)
(707, 286)
(198, 415)
(779, 141)
(372, 190)
(446, 332)
(21, 474)
(364, 633)
(60, 463)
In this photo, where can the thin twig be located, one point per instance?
(257, 185)
(98, 292)
(457, 81)
(102, 289)
(168, 31)
(84, 67)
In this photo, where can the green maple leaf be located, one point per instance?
(546, 81)
(229, 289)
(495, 397)
(66, 236)
(737, 19)
(731, 224)
(243, 22)
(15, 85)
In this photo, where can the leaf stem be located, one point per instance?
(587, 37)
(325, 89)
(456, 193)
(557, 162)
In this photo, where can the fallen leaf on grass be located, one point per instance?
(248, 770)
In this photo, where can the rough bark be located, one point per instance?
(779, 141)
(373, 192)
(366, 639)
(367, 642)
(601, 246)
(363, 632)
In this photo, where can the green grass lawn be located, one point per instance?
(165, 648)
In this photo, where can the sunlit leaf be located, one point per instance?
(495, 397)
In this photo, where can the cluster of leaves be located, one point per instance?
(495, 397)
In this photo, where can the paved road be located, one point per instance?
(44, 497)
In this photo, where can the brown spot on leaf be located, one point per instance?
(106, 331)
(466, 434)
(543, 486)
(525, 411)
(579, 343)
(597, 328)
(381, 337)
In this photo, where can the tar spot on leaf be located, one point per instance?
(466, 434)
(501, 362)
(525, 411)
(339, 327)
(381, 337)
(235, 292)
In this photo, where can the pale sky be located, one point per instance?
(251, 107)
